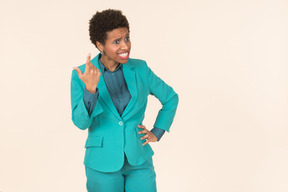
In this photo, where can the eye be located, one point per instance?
(116, 42)
(127, 39)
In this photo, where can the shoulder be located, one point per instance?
(137, 63)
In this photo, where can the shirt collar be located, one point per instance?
(104, 69)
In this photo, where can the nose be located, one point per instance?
(125, 46)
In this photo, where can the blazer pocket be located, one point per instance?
(94, 142)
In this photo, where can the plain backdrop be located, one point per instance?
(227, 60)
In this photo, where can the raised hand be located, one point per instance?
(91, 75)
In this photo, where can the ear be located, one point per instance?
(100, 46)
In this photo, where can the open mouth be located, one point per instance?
(124, 55)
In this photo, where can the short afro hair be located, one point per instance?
(105, 21)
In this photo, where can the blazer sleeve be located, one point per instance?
(168, 98)
(80, 116)
(90, 100)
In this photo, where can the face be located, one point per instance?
(116, 48)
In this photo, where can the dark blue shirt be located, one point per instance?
(119, 93)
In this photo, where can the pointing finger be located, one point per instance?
(88, 59)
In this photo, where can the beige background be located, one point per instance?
(226, 59)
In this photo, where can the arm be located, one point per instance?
(90, 100)
(80, 115)
(168, 98)
(158, 132)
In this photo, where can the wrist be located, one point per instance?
(91, 90)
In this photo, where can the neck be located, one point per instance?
(109, 64)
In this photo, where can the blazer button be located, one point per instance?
(120, 123)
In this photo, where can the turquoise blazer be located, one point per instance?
(111, 135)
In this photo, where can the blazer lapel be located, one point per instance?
(130, 79)
(104, 95)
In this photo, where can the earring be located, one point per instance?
(101, 52)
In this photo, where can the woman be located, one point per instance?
(109, 97)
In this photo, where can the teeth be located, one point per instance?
(123, 54)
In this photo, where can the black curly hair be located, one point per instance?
(105, 21)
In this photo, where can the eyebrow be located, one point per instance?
(128, 34)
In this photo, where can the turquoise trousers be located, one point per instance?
(141, 178)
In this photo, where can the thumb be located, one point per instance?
(79, 72)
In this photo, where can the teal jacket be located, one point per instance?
(111, 135)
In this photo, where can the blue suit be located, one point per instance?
(111, 135)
